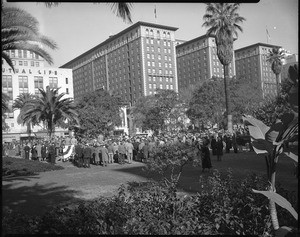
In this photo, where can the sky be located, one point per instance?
(77, 27)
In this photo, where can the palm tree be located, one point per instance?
(275, 57)
(5, 108)
(121, 9)
(223, 21)
(19, 30)
(5, 99)
(22, 103)
(52, 110)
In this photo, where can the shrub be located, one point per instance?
(224, 207)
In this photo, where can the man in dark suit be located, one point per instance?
(27, 150)
(51, 151)
(87, 153)
(78, 155)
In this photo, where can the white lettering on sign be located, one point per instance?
(29, 71)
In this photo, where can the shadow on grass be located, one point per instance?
(11, 178)
(37, 199)
(241, 165)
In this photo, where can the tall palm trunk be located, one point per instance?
(277, 83)
(227, 98)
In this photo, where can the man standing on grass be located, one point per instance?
(104, 154)
(129, 151)
(52, 153)
(122, 153)
(27, 151)
(87, 153)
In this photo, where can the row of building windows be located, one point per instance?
(167, 58)
(159, 64)
(158, 49)
(158, 34)
(22, 54)
(153, 71)
(161, 86)
(167, 79)
(25, 63)
(165, 43)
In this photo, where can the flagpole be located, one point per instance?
(155, 14)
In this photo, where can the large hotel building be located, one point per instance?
(30, 74)
(197, 61)
(251, 63)
(132, 63)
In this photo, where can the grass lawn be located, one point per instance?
(18, 166)
(241, 164)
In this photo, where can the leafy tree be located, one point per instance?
(246, 97)
(51, 109)
(19, 30)
(155, 112)
(272, 108)
(99, 113)
(5, 99)
(207, 103)
(271, 140)
(275, 57)
(223, 21)
(22, 103)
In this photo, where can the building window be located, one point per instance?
(158, 49)
(32, 64)
(148, 49)
(20, 63)
(150, 86)
(167, 87)
(154, 78)
(148, 55)
(25, 54)
(67, 91)
(171, 87)
(148, 63)
(147, 41)
(12, 52)
(7, 86)
(53, 82)
(20, 53)
(38, 83)
(151, 41)
(153, 64)
(25, 63)
(160, 86)
(152, 56)
(23, 84)
(152, 48)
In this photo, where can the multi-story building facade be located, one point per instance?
(290, 60)
(131, 64)
(30, 75)
(197, 61)
(251, 63)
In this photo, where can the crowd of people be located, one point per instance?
(124, 149)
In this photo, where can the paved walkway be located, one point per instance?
(36, 194)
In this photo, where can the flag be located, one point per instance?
(155, 11)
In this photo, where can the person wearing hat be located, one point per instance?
(104, 154)
(205, 155)
(97, 151)
(87, 153)
(51, 151)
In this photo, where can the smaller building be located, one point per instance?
(30, 75)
